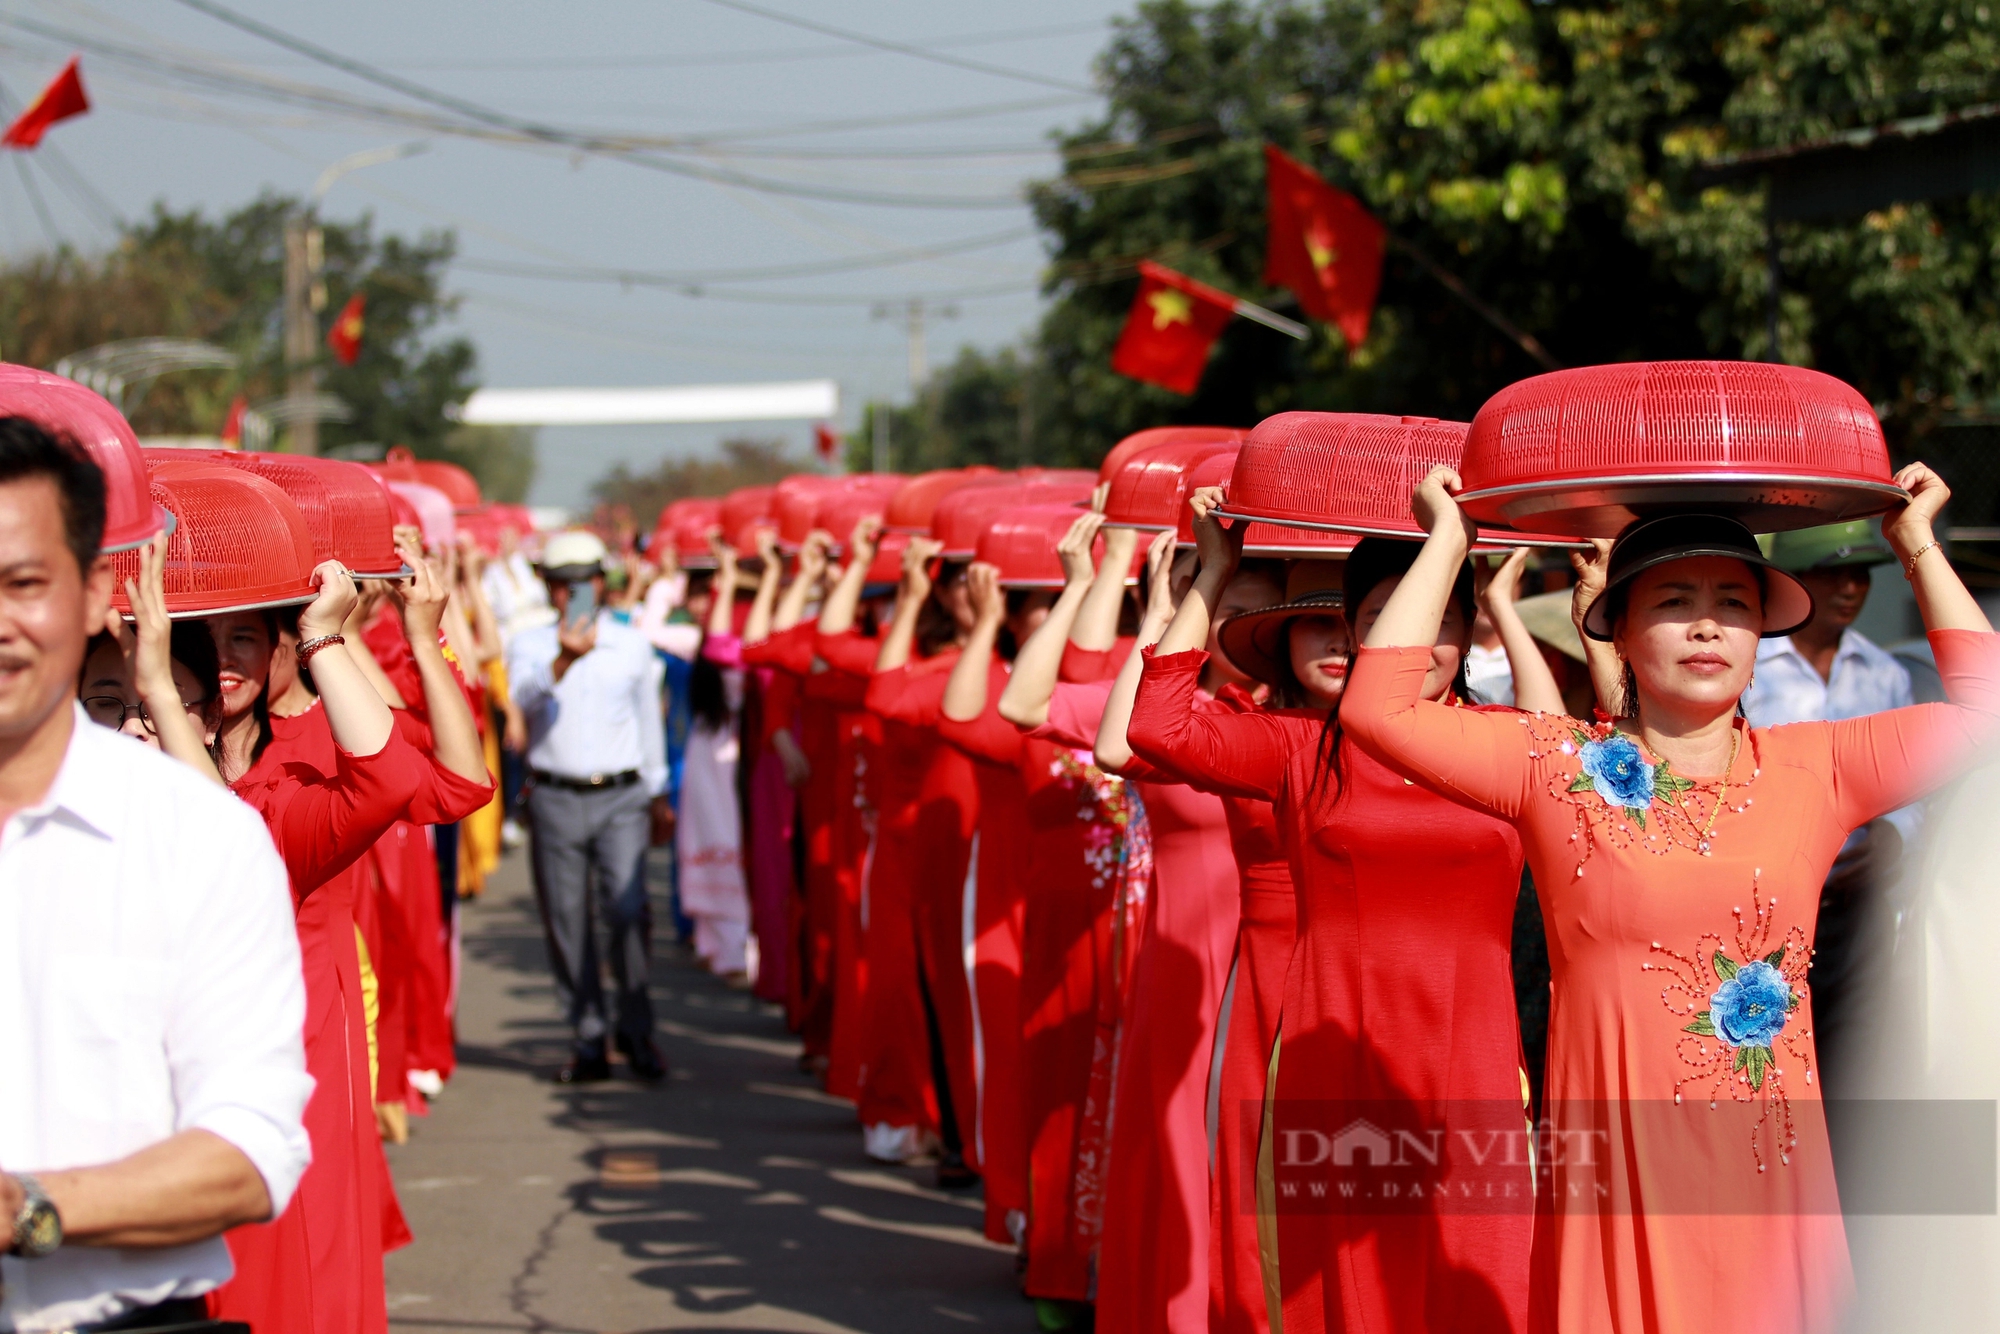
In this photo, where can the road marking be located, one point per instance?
(777, 1197)
(956, 1236)
(779, 1160)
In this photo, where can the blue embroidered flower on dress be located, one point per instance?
(1619, 772)
(1750, 1009)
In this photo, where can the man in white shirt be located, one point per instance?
(152, 1071)
(1825, 672)
(589, 690)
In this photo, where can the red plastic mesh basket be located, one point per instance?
(1350, 472)
(1114, 458)
(1150, 489)
(887, 567)
(796, 502)
(1587, 451)
(238, 542)
(451, 479)
(1021, 541)
(913, 505)
(866, 493)
(346, 507)
(1263, 539)
(744, 511)
(63, 407)
(963, 515)
(684, 526)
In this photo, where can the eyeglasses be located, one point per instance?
(111, 711)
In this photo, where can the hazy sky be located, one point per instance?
(194, 112)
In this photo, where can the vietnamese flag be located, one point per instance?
(1323, 245)
(826, 442)
(63, 98)
(345, 335)
(232, 425)
(1173, 323)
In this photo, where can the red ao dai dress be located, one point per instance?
(1690, 1186)
(1397, 1019)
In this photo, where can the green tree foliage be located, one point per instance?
(641, 496)
(1544, 155)
(188, 275)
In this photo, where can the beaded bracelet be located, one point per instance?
(305, 651)
(1910, 565)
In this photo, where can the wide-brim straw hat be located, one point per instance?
(1254, 641)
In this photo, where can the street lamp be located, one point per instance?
(305, 293)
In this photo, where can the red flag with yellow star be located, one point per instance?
(63, 98)
(1323, 245)
(1173, 323)
(344, 338)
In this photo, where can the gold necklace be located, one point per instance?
(1680, 798)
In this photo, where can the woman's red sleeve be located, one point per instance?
(1081, 666)
(385, 640)
(443, 797)
(320, 825)
(1887, 760)
(849, 651)
(843, 690)
(1231, 754)
(989, 736)
(914, 692)
(1479, 755)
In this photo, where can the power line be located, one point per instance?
(703, 61)
(901, 48)
(41, 205)
(578, 140)
(700, 277)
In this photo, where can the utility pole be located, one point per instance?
(914, 316)
(878, 416)
(305, 294)
(301, 331)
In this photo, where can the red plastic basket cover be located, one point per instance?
(1350, 472)
(744, 511)
(63, 407)
(911, 508)
(435, 513)
(1150, 489)
(685, 525)
(887, 567)
(1115, 457)
(963, 515)
(796, 501)
(238, 542)
(1021, 541)
(866, 493)
(1263, 539)
(346, 507)
(1585, 451)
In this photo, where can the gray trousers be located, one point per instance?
(590, 850)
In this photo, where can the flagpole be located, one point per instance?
(1271, 319)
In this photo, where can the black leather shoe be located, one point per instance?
(953, 1174)
(648, 1066)
(585, 1070)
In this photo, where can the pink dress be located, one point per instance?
(1154, 1259)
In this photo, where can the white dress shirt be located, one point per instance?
(149, 984)
(603, 717)
(1865, 679)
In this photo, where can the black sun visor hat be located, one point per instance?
(1787, 605)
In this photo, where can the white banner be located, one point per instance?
(784, 401)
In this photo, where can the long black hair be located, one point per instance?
(937, 628)
(1373, 560)
(707, 699)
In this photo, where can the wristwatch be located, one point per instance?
(38, 1228)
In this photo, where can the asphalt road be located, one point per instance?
(732, 1197)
